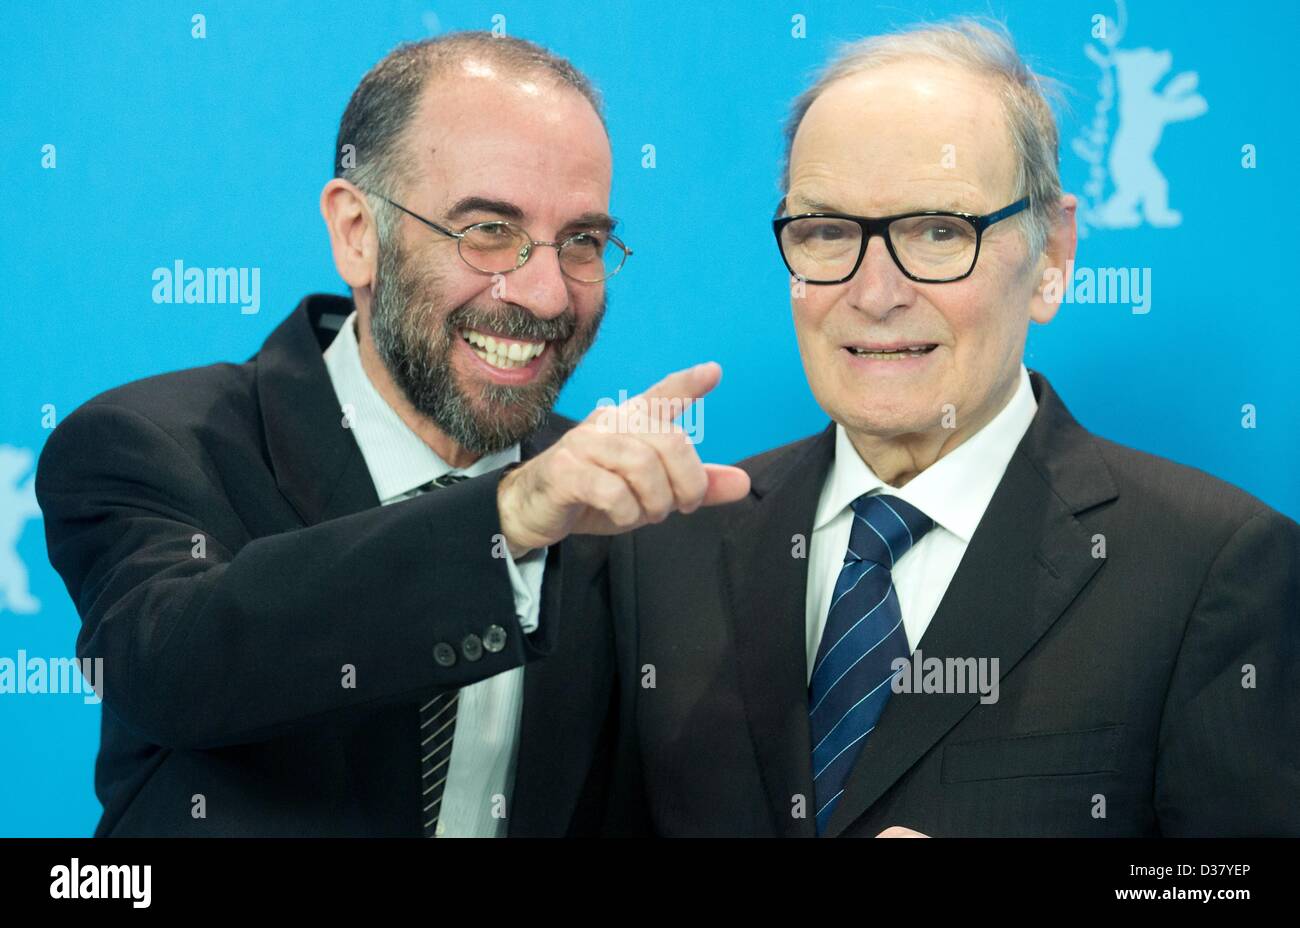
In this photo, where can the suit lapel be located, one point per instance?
(1026, 562)
(317, 462)
(766, 585)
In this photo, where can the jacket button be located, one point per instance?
(472, 647)
(494, 639)
(444, 654)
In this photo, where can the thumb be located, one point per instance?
(726, 484)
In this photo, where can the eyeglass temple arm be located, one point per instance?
(419, 218)
(1006, 211)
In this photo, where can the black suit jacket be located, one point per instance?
(220, 535)
(1122, 709)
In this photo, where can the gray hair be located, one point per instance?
(383, 104)
(985, 48)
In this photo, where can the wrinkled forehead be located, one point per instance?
(918, 134)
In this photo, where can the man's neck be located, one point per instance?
(897, 459)
(438, 440)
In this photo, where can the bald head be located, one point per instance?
(369, 150)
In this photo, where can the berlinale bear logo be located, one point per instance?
(17, 507)
(1125, 161)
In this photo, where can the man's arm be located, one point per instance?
(1227, 763)
(208, 638)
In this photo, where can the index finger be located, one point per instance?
(661, 403)
(669, 398)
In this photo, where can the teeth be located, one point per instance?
(891, 355)
(502, 354)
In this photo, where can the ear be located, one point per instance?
(354, 238)
(1056, 265)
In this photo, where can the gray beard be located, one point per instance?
(414, 333)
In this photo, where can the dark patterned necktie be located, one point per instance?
(863, 636)
(437, 723)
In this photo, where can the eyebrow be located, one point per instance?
(817, 206)
(947, 206)
(508, 210)
(595, 220)
(466, 205)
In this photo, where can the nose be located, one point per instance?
(538, 286)
(879, 287)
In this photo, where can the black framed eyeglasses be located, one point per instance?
(929, 246)
(499, 247)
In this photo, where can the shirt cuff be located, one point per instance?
(526, 582)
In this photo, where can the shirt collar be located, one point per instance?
(397, 458)
(955, 490)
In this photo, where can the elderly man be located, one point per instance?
(954, 611)
(328, 598)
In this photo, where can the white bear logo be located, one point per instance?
(17, 507)
(1138, 190)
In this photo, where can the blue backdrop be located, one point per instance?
(130, 144)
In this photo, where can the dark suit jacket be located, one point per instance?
(1122, 709)
(223, 673)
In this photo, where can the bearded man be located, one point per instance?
(321, 584)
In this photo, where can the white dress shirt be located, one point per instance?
(486, 742)
(954, 491)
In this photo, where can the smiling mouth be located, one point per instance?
(878, 353)
(500, 352)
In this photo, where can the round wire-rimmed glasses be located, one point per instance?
(928, 246)
(499, 246)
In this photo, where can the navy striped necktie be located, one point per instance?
(863, 636)
(437, 722)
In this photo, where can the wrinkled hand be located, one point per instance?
(620, 468)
